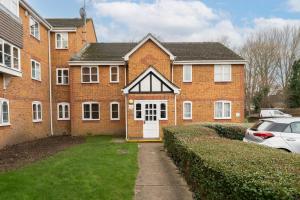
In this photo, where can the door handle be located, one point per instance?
(291, 139)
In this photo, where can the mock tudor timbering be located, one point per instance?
(61, 81)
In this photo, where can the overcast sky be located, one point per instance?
(177, 20)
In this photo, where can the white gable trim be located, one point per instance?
(153, 39)
(151, 69)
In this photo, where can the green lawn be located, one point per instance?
(97, 169)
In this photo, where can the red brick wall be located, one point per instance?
(23, 90)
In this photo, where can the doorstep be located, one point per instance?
(144, 140)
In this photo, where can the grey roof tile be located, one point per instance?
(66, 22)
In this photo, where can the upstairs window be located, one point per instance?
(12, 6)
(89, 75)
(35, 70)
(114, 74)
(4, 112)
(61, 40)
(62, 76)
(187, 73)
(9, 55)
(63, 111)
(90, 111)
(34, 28)
(187, 110)
(36, 111)
(222, 110)
(222, 73)
(114, 111)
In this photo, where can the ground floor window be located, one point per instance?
(90, 111)
(187, 110)
(163, 111)
(138, 111)
(223, 110)
(63, 111)
(4, 112)
(114, 111)
(36, 111)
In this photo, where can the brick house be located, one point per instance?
(56, 79)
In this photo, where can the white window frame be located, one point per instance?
(39, 31)
(185, 67)
(37, 119)
(90, 70)
(166, 118)
(63, 104)
(40, 70)
(223, 109)
(111, 104)
(142, 117)
(184, 111)
(62, 40)
(62, 76)
(2, 100)
(90, 103)
(110, 74)
(11, 55)
(223, 73)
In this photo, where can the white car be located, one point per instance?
(268, 113)
(279, 133)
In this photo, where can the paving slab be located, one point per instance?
(159, 178)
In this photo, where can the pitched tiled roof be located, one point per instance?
(182, 51)
(66, 22)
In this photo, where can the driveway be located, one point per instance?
(158, 177)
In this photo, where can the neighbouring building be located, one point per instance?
(56, 79)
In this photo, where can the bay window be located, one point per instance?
(9, 55)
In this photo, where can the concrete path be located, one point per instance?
(158, 177)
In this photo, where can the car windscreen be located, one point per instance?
(269, 126)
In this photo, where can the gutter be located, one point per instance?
(50, 84)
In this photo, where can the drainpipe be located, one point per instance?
(126, 120)
(175, 103)
(50, 83)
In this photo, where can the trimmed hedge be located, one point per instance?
(218, 168)
(229, 131)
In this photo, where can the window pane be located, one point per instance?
(34, 109)
(187, 73)
(1, 51)
(86, 78)
(187, 110)
(115, 111)
(138, 111)
(16, 57)
(219, 110)
(163, 111)
(95, 107)
(226, 109)
(66, 111)
(86, 110)
(86, 70)
(5, 112)
(94, 70)
(114, 77)
(39, 111)
(94, 78)
(295, 127)
(7, 55)
(226, 72)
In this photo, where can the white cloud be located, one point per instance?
(294, 5)
(173, 20)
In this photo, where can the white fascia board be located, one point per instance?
(166, 81)
(96, 63)
(149, 37)
(64, 29)
(216, 62)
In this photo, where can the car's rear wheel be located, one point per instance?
(286, 150)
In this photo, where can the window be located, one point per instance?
(11, 5)
(223, 110)
(9, 55)
(222, 73)
(138, 111)
(114, 74)
(63, 111)
(187, 110)
(35, 70)
(36, 111)
(34, 28)
(89, 75)
(62, 76)
(187, 73)
(4, 112)
(163, 111)
(91, 111)
(114, 111)
(295, 127)
(61, 40)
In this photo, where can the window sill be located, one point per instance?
(222, 118)
(39, 80)
(187, 81)
(63, 119)
(58, 84)
(35, 38)
(90, 119)
(188, 119)
(114, 82)
(62, 48)
(223, 81)
(115, 119)
(10, 71)
(4, 125)
(37, 121)
(90, 82)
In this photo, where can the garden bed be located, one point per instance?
(18, 155)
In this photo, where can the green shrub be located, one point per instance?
(218, 168)
(234, 132)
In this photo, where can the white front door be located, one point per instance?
(151, 122)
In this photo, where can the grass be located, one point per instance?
(97, 169)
